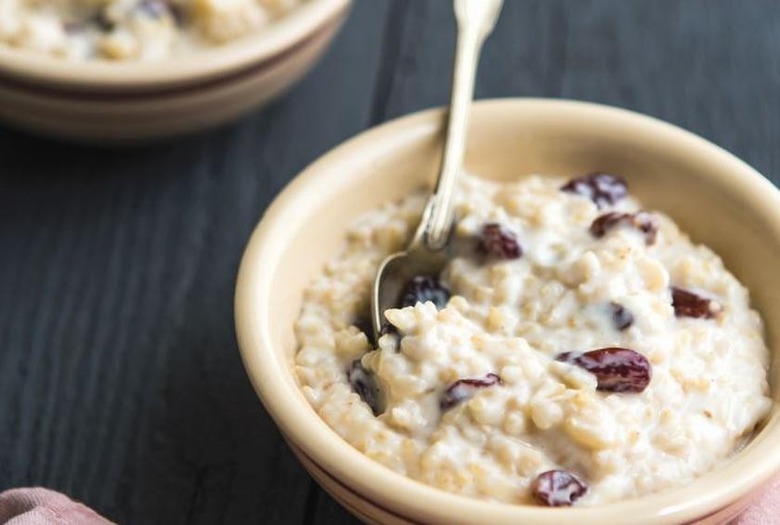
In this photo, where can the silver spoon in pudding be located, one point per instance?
(428, 252)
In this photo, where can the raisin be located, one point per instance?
(603, 189)
(364, 384)
(643, 221)
(558, 488)
(616, 369)
(622, 318)
(689, 304)
(464, 389)
(499, 242)
(425, 288)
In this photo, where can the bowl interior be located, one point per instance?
(716, 198)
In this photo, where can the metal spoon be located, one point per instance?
(428, 252)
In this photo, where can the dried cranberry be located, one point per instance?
(464, 389)
(616, 369)
(558, 488)
(364, 384)
(689, 304)
(603, 189)
(643, 221)
(499, 242)
(622, 318)
(425, 288)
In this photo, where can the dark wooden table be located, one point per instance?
(120, 379)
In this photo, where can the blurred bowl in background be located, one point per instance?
(114, 102)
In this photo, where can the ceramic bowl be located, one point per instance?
(715, 197)
(101, 101)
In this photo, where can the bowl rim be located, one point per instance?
(405, 497)
(302, 21)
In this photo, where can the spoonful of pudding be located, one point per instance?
(415, 270)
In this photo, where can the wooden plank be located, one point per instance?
(121, 383)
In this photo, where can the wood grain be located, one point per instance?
(120, 380)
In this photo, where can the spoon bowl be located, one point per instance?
(399, 269)
(427, 254)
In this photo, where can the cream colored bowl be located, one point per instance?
(134, 101)
(718, 199)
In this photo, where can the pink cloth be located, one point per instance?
(39, 506)
(765, 510)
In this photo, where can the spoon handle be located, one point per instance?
(476, 19)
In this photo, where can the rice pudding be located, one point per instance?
(578, 349)
(131, 29)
